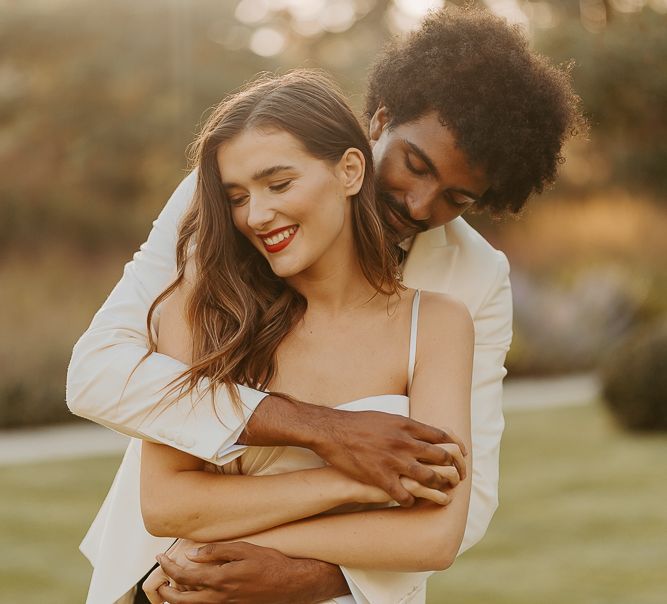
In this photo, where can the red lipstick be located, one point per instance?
(277, 246)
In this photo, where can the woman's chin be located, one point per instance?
(284, 270)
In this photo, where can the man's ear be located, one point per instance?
(379, 122)
(350, 171)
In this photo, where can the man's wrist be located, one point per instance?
(280, 421)
(325, 581)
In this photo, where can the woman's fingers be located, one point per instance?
(450, 455)
(426, 470)
(421, 492)
(151, 585)
(442, 455)
(397, 491)
(448, 475)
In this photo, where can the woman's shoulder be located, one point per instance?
(442, 316)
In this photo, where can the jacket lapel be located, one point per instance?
(430, 261)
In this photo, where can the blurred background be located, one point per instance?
(98, 101)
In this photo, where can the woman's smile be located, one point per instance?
(277, 240)
(299, 198)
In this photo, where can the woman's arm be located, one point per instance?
(179, 498)
(425, 537)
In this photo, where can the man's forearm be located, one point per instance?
(279, 421)
(326, 581)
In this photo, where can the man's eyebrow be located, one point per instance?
(433, 170)
(263, 173)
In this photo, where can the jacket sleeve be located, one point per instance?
(101, 385)
(493, 335)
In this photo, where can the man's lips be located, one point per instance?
(278, 239)
(399, 218)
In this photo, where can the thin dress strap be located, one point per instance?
(413, 338)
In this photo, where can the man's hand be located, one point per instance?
(370, 446)
(241, 573)
(379, 448)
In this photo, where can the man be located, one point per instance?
(461, 114)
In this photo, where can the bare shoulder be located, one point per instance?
(443, 318)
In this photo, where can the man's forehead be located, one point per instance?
(429, 132)
(429, 135)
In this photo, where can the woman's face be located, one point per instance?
(293, 207)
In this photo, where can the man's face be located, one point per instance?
(421, 174)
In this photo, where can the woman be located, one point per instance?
(287, 282)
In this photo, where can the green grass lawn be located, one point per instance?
(582, 520)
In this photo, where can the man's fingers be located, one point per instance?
(448, 475)
(221, 552)
(434, 435)
(455, 458)
(437, 477)
(187, 577)
(423, 474)
(439, 455)
(399, 493)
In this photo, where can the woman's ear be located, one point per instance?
(378, 123)
(350, 171)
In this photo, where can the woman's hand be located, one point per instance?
(152, 583)
(445, 476)
(158, 577)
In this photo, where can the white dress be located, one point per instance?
(264, 461)
(376, 587)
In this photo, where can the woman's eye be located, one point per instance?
(280, 186)
(419, 170)
(239, 200)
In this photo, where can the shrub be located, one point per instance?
(634, 379)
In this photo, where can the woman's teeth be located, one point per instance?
(275, 239)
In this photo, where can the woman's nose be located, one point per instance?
(260, 213)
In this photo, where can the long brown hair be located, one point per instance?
(238, 310)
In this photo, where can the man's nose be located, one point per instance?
(420, 203)
(260, 213)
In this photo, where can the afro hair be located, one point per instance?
(509, 109)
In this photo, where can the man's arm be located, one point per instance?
(283, 580)
(99, 386)
(374, 448)
(493, 335)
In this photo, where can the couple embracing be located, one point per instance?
(308, 350)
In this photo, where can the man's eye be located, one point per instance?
(459, 200)
(281, 186)
(414, 169)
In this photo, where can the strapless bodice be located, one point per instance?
(263, 461)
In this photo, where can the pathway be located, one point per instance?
(87, 440)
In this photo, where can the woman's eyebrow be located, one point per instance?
(260, 174)
(265, 172)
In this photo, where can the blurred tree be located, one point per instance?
(635, 379)
(620, 52)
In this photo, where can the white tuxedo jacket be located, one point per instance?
(453, 259)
